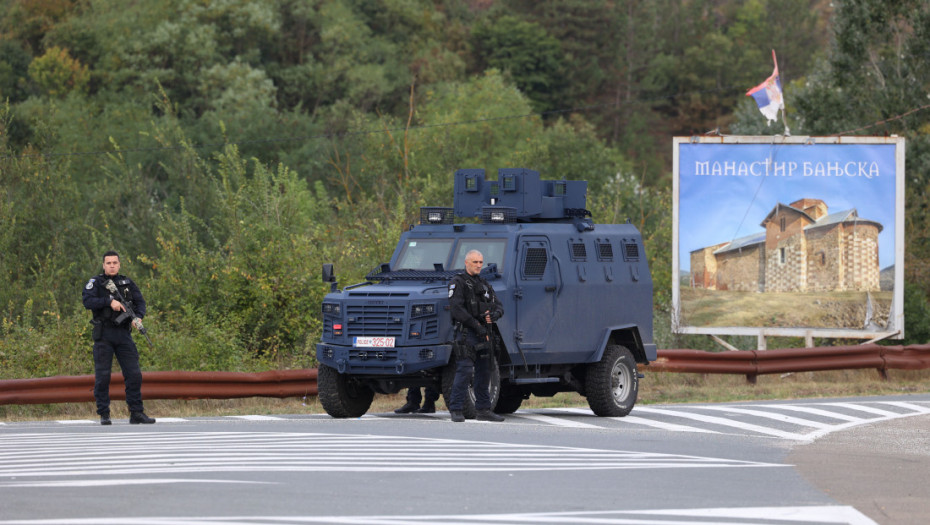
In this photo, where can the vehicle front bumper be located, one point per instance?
(382, 361)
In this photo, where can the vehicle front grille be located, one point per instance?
(370, 320)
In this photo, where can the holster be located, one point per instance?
(464, 351)
(97, 332)
(483, 349)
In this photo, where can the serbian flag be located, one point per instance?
(768, 94)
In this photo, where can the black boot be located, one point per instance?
(488, 415)
(139, 417)
(105, 419)
(407, 408)
(457, 416)
(429, 407)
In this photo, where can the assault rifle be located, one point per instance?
(492, 343)
(127, 311)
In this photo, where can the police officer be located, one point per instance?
(474, 307)
(102, 295)
(413, 401)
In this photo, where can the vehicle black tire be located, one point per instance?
(342, 396)
(612, 383)
(448, 376)
(509, 401)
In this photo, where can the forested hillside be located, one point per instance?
(228, 148)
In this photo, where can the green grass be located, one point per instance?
(656, 387)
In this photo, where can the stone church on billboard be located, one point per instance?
(802, 249)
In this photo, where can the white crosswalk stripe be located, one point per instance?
(799, 421)
(808, 515)
(818, 412)
(727, 422)
(85, 455)
(864, 408)
(770, 415)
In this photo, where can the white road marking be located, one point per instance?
(95, 455)
(555, 421)
(865, 408)
(662, 417)
(723, 422)
(769, 415)
(672, 427)
(819, 412)
(807, 515)
(635, 420)
(121, 482)
(909, 406)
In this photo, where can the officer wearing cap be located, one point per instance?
(102, 296)
(474, 307)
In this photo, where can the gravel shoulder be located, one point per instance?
(882, 469)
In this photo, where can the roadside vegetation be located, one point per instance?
(228, 149)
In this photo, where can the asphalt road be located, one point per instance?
(861, 461)
(882, 469)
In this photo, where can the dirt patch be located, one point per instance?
(849, 310)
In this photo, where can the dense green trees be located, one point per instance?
(227, 149)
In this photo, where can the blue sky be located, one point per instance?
(716, 208)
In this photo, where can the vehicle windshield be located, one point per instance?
(424, 254)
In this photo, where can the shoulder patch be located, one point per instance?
(90, 283)
(451, 289)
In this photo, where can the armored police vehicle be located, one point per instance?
(577, 302)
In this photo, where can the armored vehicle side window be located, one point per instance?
(492, 249)
(577, 250)
(422, 254)
(630, 251)
(605, 251)
(534, 264)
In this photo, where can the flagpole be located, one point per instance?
(785, 120)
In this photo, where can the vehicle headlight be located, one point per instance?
(332, 309)
(422, 310)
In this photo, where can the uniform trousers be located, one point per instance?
(117, 341)
(467, 369)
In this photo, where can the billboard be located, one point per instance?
(789, 236)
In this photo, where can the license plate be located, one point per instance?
(374, 342)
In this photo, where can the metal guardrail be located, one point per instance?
(300, 383)
(163, 385)
(780, 361)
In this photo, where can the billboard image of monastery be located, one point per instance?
(788, 236)
(802, 248)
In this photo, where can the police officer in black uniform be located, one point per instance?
(474, 307)
(414, 397)
(112, 337)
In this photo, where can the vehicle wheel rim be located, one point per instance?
(620, 382)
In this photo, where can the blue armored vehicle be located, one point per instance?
(577, 302)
